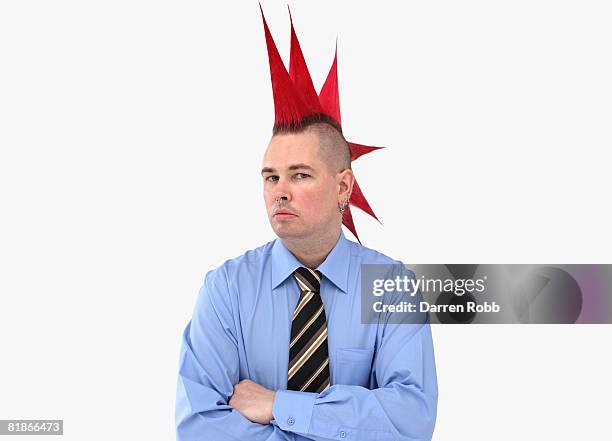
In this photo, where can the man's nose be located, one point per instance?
(281, 192)
(280, 197)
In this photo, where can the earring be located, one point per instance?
(342, 206)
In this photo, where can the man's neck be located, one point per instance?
(311, 252)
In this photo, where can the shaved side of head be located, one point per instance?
(333, 148)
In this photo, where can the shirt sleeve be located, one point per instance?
(401, 406)
(208, 371)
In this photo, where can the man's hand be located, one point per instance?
(253, 401)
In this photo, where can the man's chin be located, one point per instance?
(285, 231)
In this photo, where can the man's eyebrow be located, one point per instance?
(300, 166)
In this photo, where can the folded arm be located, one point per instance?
(208, 371)
(402, 407)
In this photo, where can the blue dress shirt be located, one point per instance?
(383, 377)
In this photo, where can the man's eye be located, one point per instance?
(272, 178)
(301, 175)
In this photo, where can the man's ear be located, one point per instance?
(345, 180)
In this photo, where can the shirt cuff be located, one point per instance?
(292, 410)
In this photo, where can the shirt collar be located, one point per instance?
(334, 267)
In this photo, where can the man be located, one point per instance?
(276, 349)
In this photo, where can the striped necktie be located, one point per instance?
(308, 356)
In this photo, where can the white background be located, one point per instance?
(131, 136)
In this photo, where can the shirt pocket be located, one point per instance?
(353, 366)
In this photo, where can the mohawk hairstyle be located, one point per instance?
(297, 105)
(304, 123)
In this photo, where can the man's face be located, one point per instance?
(294, 173)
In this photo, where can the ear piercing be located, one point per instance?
(342, 206)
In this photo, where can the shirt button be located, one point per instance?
(290, 421)
(342, 434)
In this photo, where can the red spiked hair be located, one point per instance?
(296, 101)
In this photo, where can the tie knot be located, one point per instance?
(307, 279)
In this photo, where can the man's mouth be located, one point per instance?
(283, 214)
